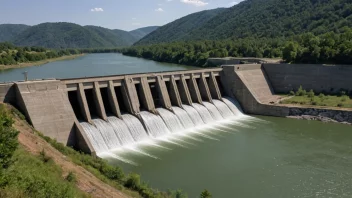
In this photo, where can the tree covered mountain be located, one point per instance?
(259, 18)
(10, 31)
(69, 35)
(181, 28)
(142, 32)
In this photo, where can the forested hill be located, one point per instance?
(10, 31)
(181, 28)
(142, 32)
(260, 18)
(69, 35)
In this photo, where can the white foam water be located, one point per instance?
(94, 137)
(108, 133)
(184, 118)
(203, 112)
(135, 126)
(213, 111)
(154, 124)
(121, 130)
(194, 115)
(223, 109)
(233, 105)
(171, 120)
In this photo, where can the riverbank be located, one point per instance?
(38, 63)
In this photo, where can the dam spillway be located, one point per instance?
(122, 112)
(99, 114)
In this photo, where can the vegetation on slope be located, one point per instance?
(180, 29)
(259, 18)
(25, 175)
(10, 31)
(305, 48)
(69, 35)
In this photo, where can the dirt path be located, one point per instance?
(86, 181)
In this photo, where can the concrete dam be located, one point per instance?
(100, 114)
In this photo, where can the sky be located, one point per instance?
(114, 14)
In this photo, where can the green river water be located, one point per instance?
(263, 157)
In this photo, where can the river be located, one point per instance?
(260, 157)
(90, 65)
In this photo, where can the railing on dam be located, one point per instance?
(115, 95)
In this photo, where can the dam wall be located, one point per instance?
(98, 114)
(321, 78)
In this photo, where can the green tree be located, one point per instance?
(205, 194)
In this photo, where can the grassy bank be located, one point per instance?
(42, 62)
(303, 97)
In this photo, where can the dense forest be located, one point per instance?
(305, 48)
(258, 18)
(69, 35)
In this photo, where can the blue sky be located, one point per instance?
(114, 14)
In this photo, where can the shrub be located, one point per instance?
(205, 194)
(133, 181)
(340, 105)
(71, 177)
(344, 98)
(322, 96)
(301, 91)
(45, 158)
(292, 93)
(343, 93)
(311, 93)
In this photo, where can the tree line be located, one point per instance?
(11, 54)
(334, 48)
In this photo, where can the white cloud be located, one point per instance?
(195, 2)
(136, 24)
(168, 0)
(134, 18)
(159, 10)
(97, 10)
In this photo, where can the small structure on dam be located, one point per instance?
(99, 114)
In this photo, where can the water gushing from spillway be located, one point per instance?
(186, 122)
(171, 120)
(135, 126)
(233, 105)
(94, 137)
(184, 118)
(108, 133)
(154, 124)
(213, 111)
(121, 130)
(203, 112)
(194, 115)
(223, 109)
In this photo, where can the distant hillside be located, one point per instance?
(9, 31)
(181, 28)
(142, 32)
(259, 18)
(70, 35)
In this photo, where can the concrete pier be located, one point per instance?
(83, 103)
(194, 90)
(204, 89)
(146, 95)
(174, 93)
(99, 101)
(183, 91)
(113, 100)
(163, 93)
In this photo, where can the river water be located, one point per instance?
(90, 65)
(257, 157)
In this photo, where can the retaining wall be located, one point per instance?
(320, 78)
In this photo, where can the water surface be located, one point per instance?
(90, 65)
(275, 157)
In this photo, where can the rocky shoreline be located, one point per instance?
(324, 115)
